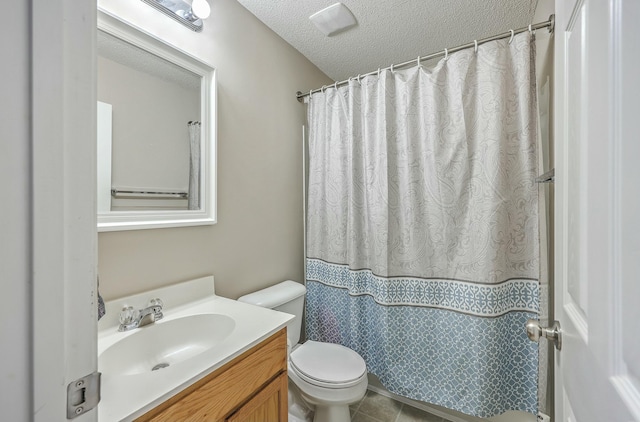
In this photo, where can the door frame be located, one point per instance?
(63, 207)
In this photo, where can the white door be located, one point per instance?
(63, 212)
(597, 145)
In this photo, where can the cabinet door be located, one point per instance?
(269, 405)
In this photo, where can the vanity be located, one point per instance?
(252, 387)
(207, 359)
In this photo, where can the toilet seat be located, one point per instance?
(328, 365)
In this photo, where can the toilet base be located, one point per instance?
(329, 405)
(332, 414)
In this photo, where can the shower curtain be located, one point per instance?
(422, 227)
(194, 166)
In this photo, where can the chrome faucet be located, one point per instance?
(131, 318)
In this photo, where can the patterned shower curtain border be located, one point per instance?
(479, 366)
(483, 300)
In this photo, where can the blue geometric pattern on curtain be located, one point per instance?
(422, 227)
(478, 366)
(471, 298)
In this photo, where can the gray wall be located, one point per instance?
(258, 238)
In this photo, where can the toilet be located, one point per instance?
(329, 377)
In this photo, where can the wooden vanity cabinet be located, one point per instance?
(250, 388)
(270, 404)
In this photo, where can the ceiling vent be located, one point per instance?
(333, 19)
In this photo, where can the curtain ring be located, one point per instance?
(391, 68)
(336, 85)
(446, 54)
(530, 31)
(419, 61)
(358, 78)
(378, 72)
(475, 46)
(323, 88)
(512, 34)
(310, 92)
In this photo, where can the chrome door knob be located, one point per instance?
(553, 333)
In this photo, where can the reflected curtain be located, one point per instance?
(422, 227)
(194, 165)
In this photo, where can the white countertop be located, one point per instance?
(126, 397)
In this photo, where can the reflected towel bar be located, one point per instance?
(118, 193)
(548, 177)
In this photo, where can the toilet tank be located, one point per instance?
(287, 296)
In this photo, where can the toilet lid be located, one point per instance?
(328, 363)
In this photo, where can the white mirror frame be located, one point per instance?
(135, 220)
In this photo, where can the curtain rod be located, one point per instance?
(549, 24)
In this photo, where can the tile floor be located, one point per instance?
(375, 407)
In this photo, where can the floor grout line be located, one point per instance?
(360, 404)
(399, 411)
(369, 417)
(397, 418)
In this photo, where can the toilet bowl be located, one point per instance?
(329, 377)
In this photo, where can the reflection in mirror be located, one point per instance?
(155, 127)
(154, 107)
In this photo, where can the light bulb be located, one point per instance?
(201, 8)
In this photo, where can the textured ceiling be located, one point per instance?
(129, 55)
(388, 31)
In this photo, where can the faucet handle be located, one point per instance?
(156, 302)
(128, 315)
(157, 305)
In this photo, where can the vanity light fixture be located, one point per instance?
(201, 8)
(189, 13)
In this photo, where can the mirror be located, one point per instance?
(156, 132)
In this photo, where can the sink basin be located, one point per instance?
(165, 343)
